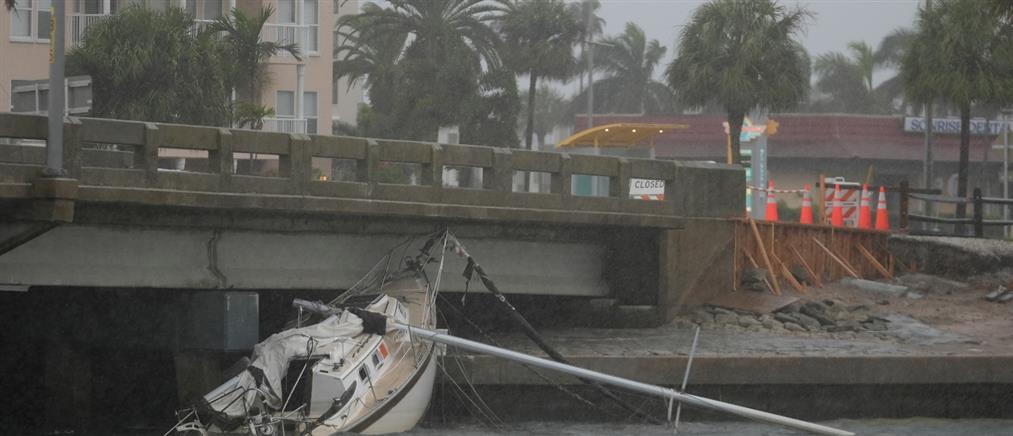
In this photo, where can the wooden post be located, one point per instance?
(904, 191)
(822, 183)
(812, 273)
(844, 265)
(872, 261)
(763, 254)
(979, 211)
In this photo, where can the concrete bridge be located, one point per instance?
(118, 220)
(134, 272)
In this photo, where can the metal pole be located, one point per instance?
(636, 386)
(927, 176)
(1005, 170)
(685, 376)
(590, 70)
(54, 139)
(759, 167)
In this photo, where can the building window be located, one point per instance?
(286, 12)
(88, 7)
(30, 21)
(212, 9)
(309, 110)
(284, 105)
(311, 19)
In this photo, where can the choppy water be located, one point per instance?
(884, 427)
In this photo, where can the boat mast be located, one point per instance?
(632, 385)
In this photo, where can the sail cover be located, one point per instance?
(270, 364)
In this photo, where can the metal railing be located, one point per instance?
(976, 221)
(302, 35)
(285, 125)
(79, 24)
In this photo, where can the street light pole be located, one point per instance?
(1005, 169)
(927, 176)
(54, 138)
(590, 69)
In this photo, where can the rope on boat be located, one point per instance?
(530, 368)
(529, 330)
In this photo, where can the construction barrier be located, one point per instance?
(848, 205)
(807, 207)
(823, 253)
(771, 212)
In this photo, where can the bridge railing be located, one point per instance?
(136, 158)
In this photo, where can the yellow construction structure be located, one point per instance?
(619, 135)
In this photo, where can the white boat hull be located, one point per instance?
(409, 409)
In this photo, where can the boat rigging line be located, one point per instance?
(474, 267)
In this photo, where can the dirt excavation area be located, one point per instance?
(956, 298)
(958, 308)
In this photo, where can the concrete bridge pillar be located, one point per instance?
(694, 263)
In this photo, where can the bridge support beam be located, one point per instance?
(694, 263)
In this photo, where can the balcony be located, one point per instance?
(302, 35)
(79, 24)
(285, 125)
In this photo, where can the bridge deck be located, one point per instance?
(118, 161)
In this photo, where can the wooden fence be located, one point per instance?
(976, 221)
(825, 253)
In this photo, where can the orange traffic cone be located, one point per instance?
(771, 214)
(836, 214)
(807, 206)
(865, 209)
(882, 219)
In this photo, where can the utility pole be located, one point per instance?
(1005, 168)
(590, 69)
(927, 176)
(759, 165)
(54, 138)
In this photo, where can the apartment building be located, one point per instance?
(302, 92)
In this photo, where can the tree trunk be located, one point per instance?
(965, 152)
(529, 132)
(735, 120)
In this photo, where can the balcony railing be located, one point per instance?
(285, 125)
(79, 24)
(302, 35)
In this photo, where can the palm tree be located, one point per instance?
(960, 53)
(252, 115)
(847, 80)
(539, 35)
(550, 110)
(629, 60)
(449, 45)
(592, 26)
(149, 65)
(889, 54)
(245, 49)
(373, 61)
(742, 54)
(435, 25)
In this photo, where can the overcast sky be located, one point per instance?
(835, 22)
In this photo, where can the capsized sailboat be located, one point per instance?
(370, 369)
(352, 370)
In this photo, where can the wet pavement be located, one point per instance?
(885, 427)
(905, 337)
